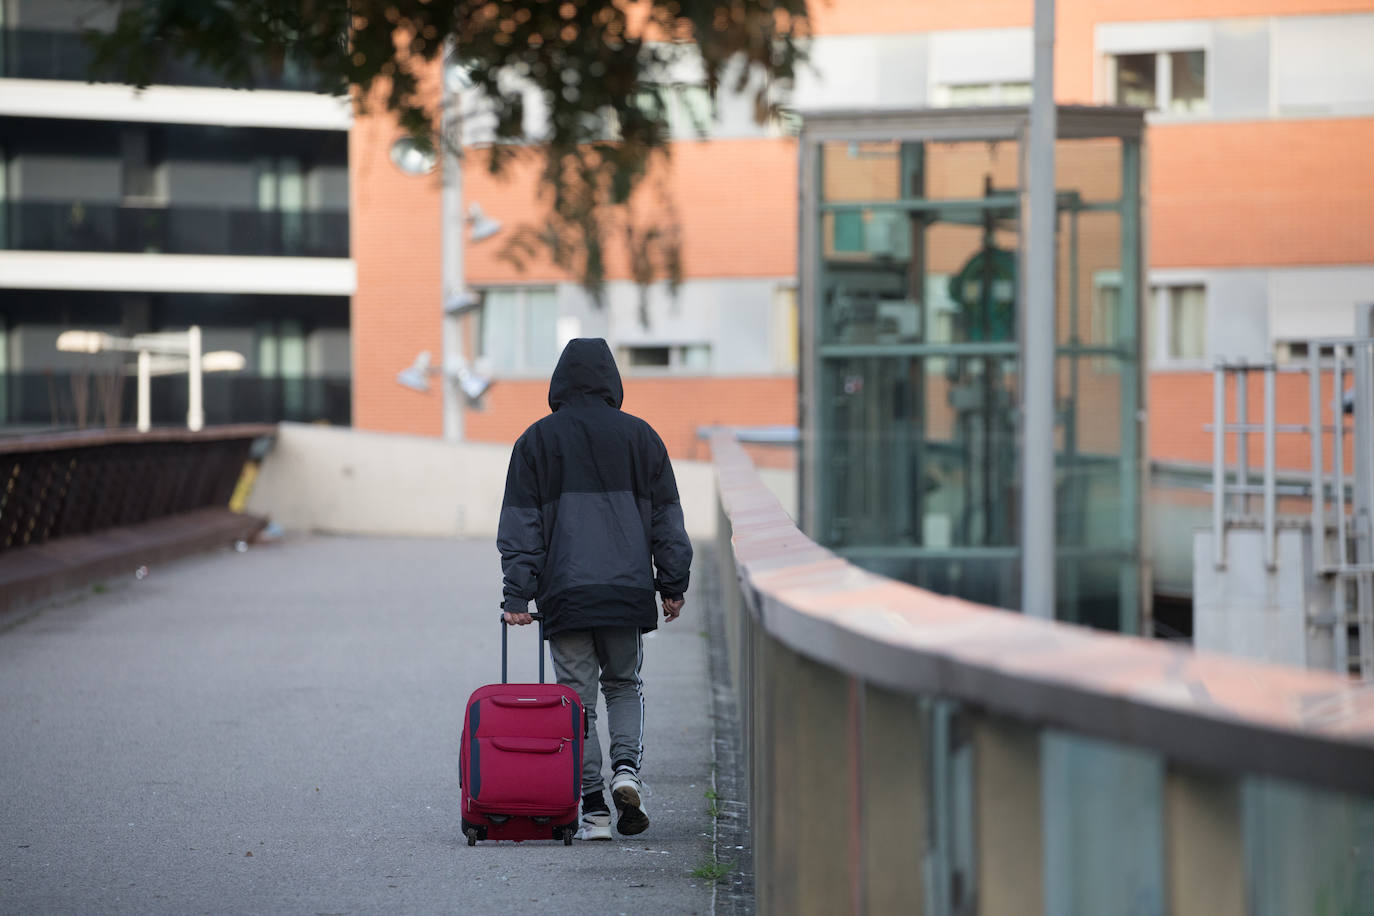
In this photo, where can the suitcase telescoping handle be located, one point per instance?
(505, 626)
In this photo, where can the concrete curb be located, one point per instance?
(32, 574)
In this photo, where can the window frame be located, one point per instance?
(1001, 90)
(1160, 325)
(677, 358)
(1164, 76)
(522, 368)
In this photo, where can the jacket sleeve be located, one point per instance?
(520, 531)
(671, 547)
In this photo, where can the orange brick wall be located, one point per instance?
(1255, 193)
(675, 407)
(736, 204)
(1181, 404)
(395, 226)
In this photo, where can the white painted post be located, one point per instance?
(1037, 459)
(145, 402)
(451, 256)
(195, 411)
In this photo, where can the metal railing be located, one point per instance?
(62, 399)
(1341, 500)
(909, 752)
(83, 226)
(59, 485)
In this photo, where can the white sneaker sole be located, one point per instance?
(593, 834)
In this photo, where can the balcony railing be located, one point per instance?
(50, 55)
(66, 400)
(80, 226)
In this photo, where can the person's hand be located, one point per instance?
(519, 620)
(672, 607)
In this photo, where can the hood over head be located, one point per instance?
(586, 370)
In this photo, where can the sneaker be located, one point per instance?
(596, 825)
(627, 791)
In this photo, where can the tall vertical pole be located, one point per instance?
(1270, 475)
(145, 406)
(195, 411)
(1037, 459)
(451, 256)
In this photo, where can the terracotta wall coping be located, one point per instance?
(1210, 711)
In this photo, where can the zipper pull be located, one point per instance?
(566, 702)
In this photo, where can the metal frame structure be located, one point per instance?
(987, 124)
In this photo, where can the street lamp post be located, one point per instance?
(162, 353)
(451, 254)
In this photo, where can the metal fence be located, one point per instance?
(66, 484)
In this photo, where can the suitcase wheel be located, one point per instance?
(567, 837)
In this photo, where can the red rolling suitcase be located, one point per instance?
(520, 763)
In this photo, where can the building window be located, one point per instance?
(972, 95)
(519, 330)
(1179, 325)
(1169, 81)
(666, 358)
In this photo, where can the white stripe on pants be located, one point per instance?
(612, 656)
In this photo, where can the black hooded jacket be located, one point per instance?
(591, 506)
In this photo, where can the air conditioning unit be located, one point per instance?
(887, 234)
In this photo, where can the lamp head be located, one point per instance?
(81, 341)
(483, 226)
(416, 375)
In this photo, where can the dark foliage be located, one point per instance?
(603, 70)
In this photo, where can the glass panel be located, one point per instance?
(1307, 851)
(650, 357)
(860, 171)
(849, 230)
(917, 459)
(1135, 80)
(970, 170)
(917, 381)
(541, 330)
(501, 328)
(1187, 322)
(1103, 827)
(1189, 81)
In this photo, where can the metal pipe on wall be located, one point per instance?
(1318, 509)
(451, 227)
(1219, 465)
(1243, 440)
(1270, 497)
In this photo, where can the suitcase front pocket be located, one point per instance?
(520, 775)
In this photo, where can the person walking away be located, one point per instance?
(591, 528)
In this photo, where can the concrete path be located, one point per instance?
(277, 732)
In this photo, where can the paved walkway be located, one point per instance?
(277, 732)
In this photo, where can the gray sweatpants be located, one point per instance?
(612, 655)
